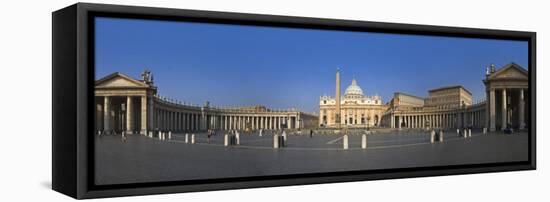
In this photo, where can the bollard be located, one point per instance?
(284, 136)
(160, 135)
(192, 138)
(275, 141)
(186, 137)
(364, 141)
(465, 135)
(432, 140)
(238, 138)
(469, 132)
(440, 136)
(169, 135)
(345, 142)
(150, 134)
(458, 132)
(225, 140)
(484, 130)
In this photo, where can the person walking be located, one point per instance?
(310, 133)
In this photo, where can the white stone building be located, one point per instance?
(356, 109)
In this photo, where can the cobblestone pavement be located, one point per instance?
(144, 159)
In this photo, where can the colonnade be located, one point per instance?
(457, 118)
(191, 120)
(122, 113)
(508, 108)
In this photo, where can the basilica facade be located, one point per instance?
(353, 109)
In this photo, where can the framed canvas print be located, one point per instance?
(154, 100)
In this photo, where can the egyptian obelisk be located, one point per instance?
(337, 115)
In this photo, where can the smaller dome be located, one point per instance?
(353, 89)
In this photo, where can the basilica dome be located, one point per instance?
(353, 90)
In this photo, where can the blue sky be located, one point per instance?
(235, 65)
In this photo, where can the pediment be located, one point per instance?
(118, 80)
(510, 71)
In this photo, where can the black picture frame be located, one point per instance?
(73, 82)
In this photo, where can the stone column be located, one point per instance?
(504, 111)
(225, 122)
(180, 121)
(400, 119)
(487, 106)
(443, 120)
(297, 121)
(164, 119)
(521, 109)
(106, 113)
(241, 122)
(253, 122)
(171, 117)
(129, 116)
(184, 121)
(492, 108)
(440, 120)
(150, 115)
(288, 122)
(143, 114)
(159, 118)
(236, 121)
(230, 123)
(281, 119)
(192, 121)
(167, 120)
(472, 122)
(198, 121)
